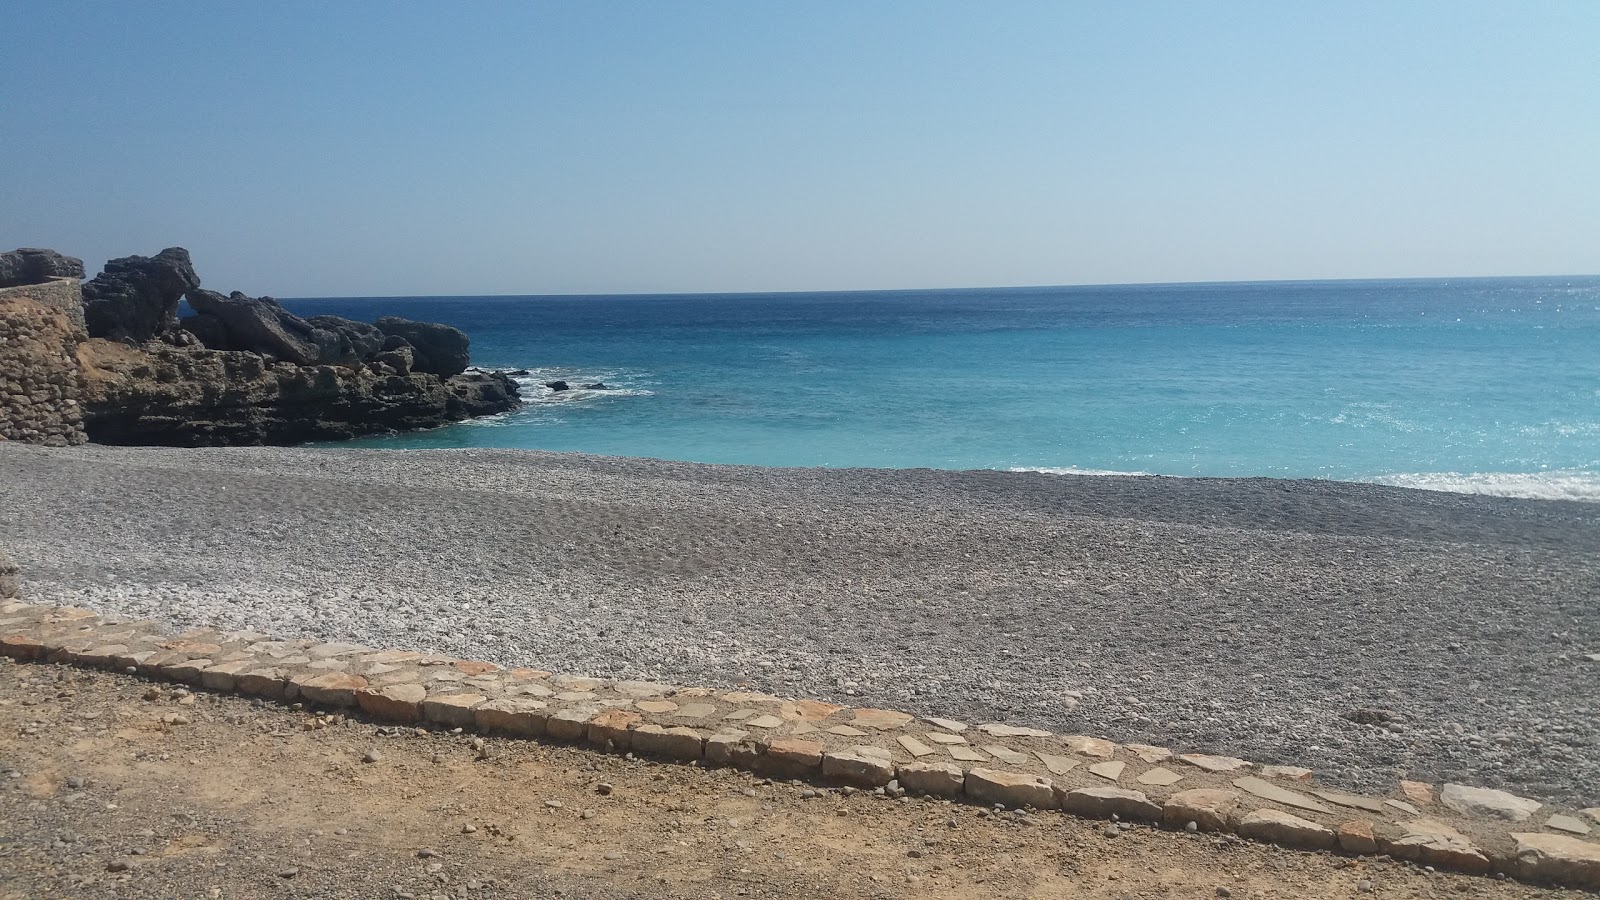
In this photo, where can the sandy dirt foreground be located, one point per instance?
(111, 786)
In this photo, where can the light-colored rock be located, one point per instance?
(806, 710)
(950, 725)
(931, 778)
(1159, 777)
(1212, 763)
(612, 727)
(1404, 807)
(858, 768)
(1056, 763)
(640, 690)
(997, 729)
(916, 748)
(1006, 755)
(454, 710)
(1436, 844)
(1287, 773)
(1356, 837)
(1285, 830)
(1592, 814)
(696, 711)
(1570, 824)
(881, 719)
(268, 683)
(763, 722)
(224, 676)
(1013, 789)
(794, 756)
(1488, 802)
(570, 724)
(846, 731)
(1558, 859)
(731, 748)
(189, 670)
(1209, 808)
(390, 703)
(515, 716)
(655, 707)
(1090, 746)
(1418, 793)
(676, 742)
(1149, 753)
(1111, 770)
(1104, 802)
(1266, 790)
(330, 688)
(939, 737)
(966, 754)
(1352, 801)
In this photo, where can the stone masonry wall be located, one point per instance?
(40, 388)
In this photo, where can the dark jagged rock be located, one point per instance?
(399, 360)
(136, 297)
(358, 341)
(437, 349)
(557, 385)
(167, 396)
(208, 329)
(260, 325)
(31, 265)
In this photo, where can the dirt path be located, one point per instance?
(114, 787)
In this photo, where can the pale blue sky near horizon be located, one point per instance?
(343, 149)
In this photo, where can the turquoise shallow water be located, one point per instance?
(1488, 385)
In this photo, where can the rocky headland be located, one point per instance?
(110, 361)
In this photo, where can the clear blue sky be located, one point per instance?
(447, 148)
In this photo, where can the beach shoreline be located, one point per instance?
(1367, 631)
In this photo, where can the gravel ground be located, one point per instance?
(1368, 632)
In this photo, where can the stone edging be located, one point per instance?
(1473, 830)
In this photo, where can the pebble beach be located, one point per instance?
(1366, 632)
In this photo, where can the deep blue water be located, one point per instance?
(1483, 384)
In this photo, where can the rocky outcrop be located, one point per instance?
(242, 370)
(173, 396)
(136, 297)
(438, 349)
(31, 265)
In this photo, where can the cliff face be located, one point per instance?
(243, 371)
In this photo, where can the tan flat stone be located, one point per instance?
(1436, 844)
(473, 667)
(1111, 771)
(800, 728)
(1159, 777)
(1352, 801)
(1212, 763)
(577, 696)
(324, 651)
(739, 715)
(102, 655)
(454, 710)
(1104, 802)
(641, 690)
(1012, 789)
(655, 707)
(742, 697)
(224, 676)
(857, 768)
(1403, 807)
(1419, 793)
(966, 754)
(1006, 755)
(1557, 858)
(520, 717)
(1488, 802)
(807, 710)
(949, 725)
(331, 688)
(916, 748)
(763, 722)
(1208, 808)
(939, 737)
(1287, 773)
(1570, 824)
(612, 727)
(333, 664)
(1266, 790)
(187, 671)
(881, 719)
(995, 729)
(1277, 827)
(846, 731)
(1090, 746)
(931, 778)
(1056, 763)
(731, 748)
(269, 683)
(1356, 837)
(570, 724)
(796, 754)
(1149, 753)
(696, 711)
(677, 742)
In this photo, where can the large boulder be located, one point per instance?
(437, 349)
(136, 297)
(358, 341)
(260, 325)
(31, 265)
(208, 330)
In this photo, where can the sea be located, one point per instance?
(1481, 385)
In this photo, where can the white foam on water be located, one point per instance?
(1070, 470)
(1560, 485)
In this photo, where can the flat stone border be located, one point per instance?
(1457, 827)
